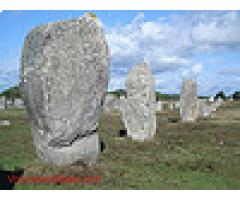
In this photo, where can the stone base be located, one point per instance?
(84, 150)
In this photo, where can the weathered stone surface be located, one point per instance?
(139, 110)
(3, 103)
(64, 78)
(188, 101)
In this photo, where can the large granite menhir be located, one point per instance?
(139, 109)
(188, 101)
(64, 78)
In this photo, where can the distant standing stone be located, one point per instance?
(3, 103)
(64, 79)
(159, 106)
(139, 110)
(188, 101)
(171, 105)
(177, 104)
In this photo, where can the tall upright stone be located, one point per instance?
(64, 78)
(188, 101)
(159, 106)
(177, 104)
(171, 105)
(139, 111)
(3, 103)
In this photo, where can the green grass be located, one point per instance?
(202, 155)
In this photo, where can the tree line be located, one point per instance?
(13, 93)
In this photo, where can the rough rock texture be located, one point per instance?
(139, 112)
(188, 101)
(3, 103)
(64, 78)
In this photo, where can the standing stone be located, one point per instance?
(171, 105)
(211, 99)
(64, 78)
(188, 101)
(159, 106)
(139, 113)
(164, 106)
(10, 103)
(177, 104)
(3, 103)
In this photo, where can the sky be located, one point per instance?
(199, 45)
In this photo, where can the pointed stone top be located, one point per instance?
(92, 16)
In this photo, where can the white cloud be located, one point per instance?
(9, 74)
(221, 29)
(116, 82)
(197, 68)
(171, 43)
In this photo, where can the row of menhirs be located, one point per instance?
(10, 103)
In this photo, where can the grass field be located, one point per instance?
(203, 155)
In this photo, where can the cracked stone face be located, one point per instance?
(139, 110)
(188, 101)
(64, 78)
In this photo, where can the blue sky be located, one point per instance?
(201, 45)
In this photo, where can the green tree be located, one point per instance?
(220, 95)
(236, 95)
(118, 92)
(11, 93)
